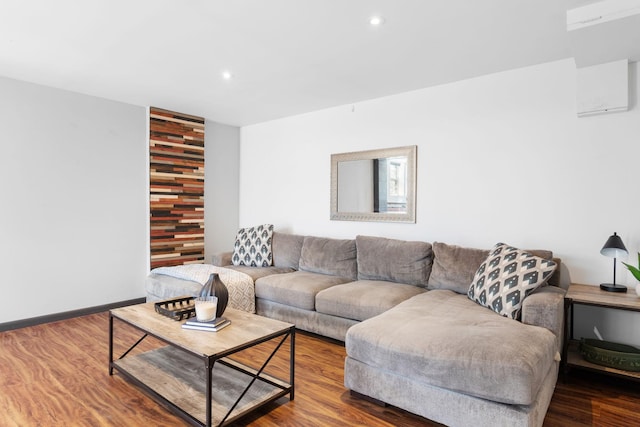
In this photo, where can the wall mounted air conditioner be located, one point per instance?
(604, 36)
(602, 88)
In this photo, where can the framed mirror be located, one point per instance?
(374, 185)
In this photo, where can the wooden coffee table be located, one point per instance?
(193, 374)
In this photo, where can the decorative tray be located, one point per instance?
(177, 308)
(613, 355)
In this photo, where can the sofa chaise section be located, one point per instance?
(491, 357)
(441, 355)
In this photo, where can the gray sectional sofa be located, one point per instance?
(413, 337)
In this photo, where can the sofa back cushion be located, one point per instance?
(455, 266)
(286, 250)
(336, 257)
(393, 260)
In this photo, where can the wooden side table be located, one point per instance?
(594, 296)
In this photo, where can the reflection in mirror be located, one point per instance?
(374, 185)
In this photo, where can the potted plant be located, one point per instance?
(636, 273)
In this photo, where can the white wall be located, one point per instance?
(222, 151)
(501, 157)
(73, 222)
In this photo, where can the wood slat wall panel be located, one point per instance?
(176, 156)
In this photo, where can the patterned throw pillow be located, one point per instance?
(253, 246)
(507, 277)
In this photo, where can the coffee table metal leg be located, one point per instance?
(111, 359)
(292, 362)
(209, 367)
(258, 374)
(110, 344)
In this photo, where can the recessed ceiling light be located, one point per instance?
(376, 20)
(227, 75)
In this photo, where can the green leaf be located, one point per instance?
(634, 270)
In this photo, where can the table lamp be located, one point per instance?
(614, 248)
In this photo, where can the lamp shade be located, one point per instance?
(614, 247)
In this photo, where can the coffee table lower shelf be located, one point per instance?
(179, 379)
(575, 359)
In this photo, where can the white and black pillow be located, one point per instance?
(507, 277)
(253, 246)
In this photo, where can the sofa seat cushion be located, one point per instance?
(444, 339)
(296, 289)
(363, 299)
(258, 272)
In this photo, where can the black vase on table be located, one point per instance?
(217, 288)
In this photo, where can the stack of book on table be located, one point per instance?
(214, 325)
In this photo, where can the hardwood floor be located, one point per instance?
(56, 374)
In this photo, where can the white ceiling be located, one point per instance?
(287, 56)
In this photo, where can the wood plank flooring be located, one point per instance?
(56, 374)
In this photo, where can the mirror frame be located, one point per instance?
(410, 216)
